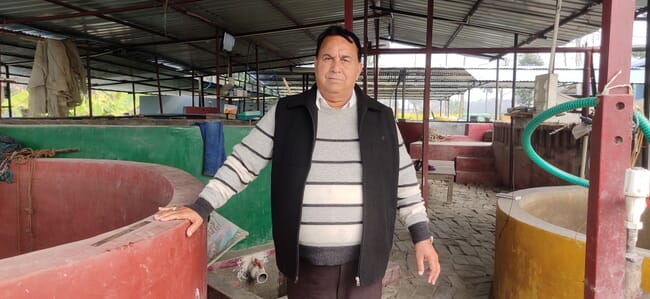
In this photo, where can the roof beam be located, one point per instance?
(423, 16)
(478, 51)
(126, 23)
(573, 16)
(220, 27)
(422, 46)
(466, 20)
(253, 33)
(94, 12)
(80, 36)
(93, 69)
(94, 59)
(286, 13)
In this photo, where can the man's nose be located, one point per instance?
(336, 65)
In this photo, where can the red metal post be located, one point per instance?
(612, 134)
(365, 46)
(498, 100)
(375, 78)
(425, 113)
(348, 14)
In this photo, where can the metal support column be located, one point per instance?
(263, 100)
(257, 78)
(427, 102)
(217, 70)
(201, 91)
(646, 95)
(365, 46)
(1, 87)
(133, 93)
(612, 134)
(193, 104)
(90, 89)
(160, 104)
(497, 98)
(511, 155)
(375, 77)
(8, 93)
(348, 15)
(586, 75)
(469, 97)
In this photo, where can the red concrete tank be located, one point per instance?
(90, 232)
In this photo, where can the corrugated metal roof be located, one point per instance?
(124, 37)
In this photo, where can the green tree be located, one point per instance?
(105, 103)
(530, 59)
(638, 54)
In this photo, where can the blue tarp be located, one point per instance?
(213, 148)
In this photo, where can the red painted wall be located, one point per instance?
(560, 149)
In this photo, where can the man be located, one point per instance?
(340, 173)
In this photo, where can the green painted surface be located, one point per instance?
(176, 146)
(250, 209)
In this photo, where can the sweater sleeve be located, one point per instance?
(410, 205)
(243, 165)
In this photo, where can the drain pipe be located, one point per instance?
(257, 272)
(637, 189)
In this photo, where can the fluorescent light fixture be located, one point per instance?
(228, 41)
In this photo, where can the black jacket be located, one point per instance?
(295, 136)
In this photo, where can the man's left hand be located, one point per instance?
(424, 251)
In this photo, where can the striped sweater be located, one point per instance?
(331, 224)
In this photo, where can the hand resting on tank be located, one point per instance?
(180, 213)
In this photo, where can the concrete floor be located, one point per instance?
(464, 239)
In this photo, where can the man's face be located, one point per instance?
(336, 67)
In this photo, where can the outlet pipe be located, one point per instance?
(636, 191)
(257, 272)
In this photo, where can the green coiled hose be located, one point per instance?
(638, 117)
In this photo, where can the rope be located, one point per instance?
(24, 155)
(5, 172)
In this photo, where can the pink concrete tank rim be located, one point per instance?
(143, 235)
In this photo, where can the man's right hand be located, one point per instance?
(180, 213)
